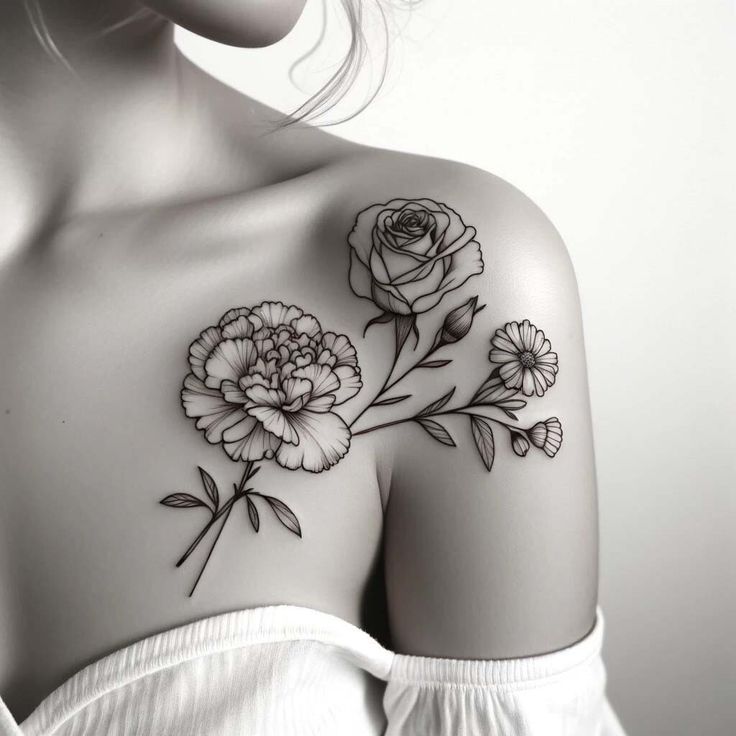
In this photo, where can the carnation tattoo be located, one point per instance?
(267, 382)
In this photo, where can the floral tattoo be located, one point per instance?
(267, 381)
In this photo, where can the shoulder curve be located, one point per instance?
(518, 242)
(477, 472)
(503, 211)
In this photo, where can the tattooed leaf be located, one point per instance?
(483, 436)
(210, 487)
(491, 390)
(392, 400)
(510, 414)
(182, 501)
(513, 404)
(381, 319)
(437, 405)
(285, 515)
(436, 430)
(255, 520)
(405, 324)
(434, 363)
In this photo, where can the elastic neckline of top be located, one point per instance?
(283, 623)
(211, 635)
(499, 674)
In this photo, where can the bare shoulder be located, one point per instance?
(515, 236)
(491, 526)
(480, 194)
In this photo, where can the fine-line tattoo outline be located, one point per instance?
(264, 381)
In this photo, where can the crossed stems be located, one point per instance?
(239, 491)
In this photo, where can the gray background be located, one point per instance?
(617, 119)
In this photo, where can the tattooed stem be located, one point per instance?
(248, 472)
(239, 492)
(388, 386)
(224, 510)
(474, 412)
(212, 547)
(468, 410)
(385, 387)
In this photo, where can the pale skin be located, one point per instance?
(140, 201)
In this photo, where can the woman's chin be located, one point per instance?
(242, 23)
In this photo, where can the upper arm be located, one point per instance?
(503, 563)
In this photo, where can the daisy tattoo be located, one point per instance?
(267, 382)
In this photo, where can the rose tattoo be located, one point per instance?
(267, 382)
(407, 254)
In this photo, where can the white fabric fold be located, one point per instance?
(288, 670)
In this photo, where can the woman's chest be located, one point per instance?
(129, 443)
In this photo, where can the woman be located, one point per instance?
(247, 373)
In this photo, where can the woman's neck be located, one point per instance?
(100, 125)
(128, 124)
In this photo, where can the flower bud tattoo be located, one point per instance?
(457, 323)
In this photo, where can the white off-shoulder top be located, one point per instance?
(287, 670)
